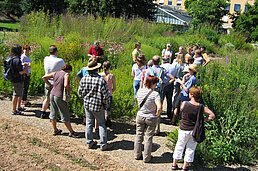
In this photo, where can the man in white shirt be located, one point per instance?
(51, 64)
(167, 53)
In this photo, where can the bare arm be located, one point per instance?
(132, 74)
(210, 114)
(159, 107)
(47, 77)
(66, 83)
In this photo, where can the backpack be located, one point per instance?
(199, 130)
(159, 87)
(8, 70)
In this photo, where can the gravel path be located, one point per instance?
(121, 135)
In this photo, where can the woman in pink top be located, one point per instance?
(111, 82)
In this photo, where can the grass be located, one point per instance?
(12, 26)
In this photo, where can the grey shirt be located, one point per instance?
(149, 108)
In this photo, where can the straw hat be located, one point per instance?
(93, 64)
(186, 69)
(193, 67)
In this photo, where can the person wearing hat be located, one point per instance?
(168, 90)
(168, 53)
(189, 80)
(95, 93)
(96, 51)
(137, 71)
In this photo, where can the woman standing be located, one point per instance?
(188, 81)
(26, 62)
(137, 51)
(111, 82)
(137, 71)
(189, 111)
(61, 81)
(149, 104)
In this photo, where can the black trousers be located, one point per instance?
(167, 93)
(26, 87)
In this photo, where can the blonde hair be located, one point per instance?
(180, 59)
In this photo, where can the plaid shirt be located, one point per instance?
(94, 91)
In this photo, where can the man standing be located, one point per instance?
(18, 80)
(160, 72)
(96, 51)
(51, 64)
(181, 51)
(168, 90)
(94, 91)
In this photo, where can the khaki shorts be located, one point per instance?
(18, 89)
(48, 89)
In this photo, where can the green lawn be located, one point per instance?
(10, 25)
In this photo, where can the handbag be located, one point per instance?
(199, 130)
(66, 93)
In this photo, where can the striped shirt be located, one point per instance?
(94, 91)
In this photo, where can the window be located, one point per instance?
(169, 2)
(237, 7)
(227, 8)
(246, 8)
(161, 1)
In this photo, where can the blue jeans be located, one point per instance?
(90, 118)
(136, 86)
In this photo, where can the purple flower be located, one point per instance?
(227, 59)
(239, 88)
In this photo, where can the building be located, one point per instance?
(235, 5)
(180, 19)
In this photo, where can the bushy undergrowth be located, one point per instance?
(229, 91)
(229, 87)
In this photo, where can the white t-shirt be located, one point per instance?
(166, 52)
(25, 59)
(53, 64)
(137, 71)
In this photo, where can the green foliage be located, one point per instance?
(116, 8)
(247, 23)
(11, 7)
(204, 11)
(12, 26)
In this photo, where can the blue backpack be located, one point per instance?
(159, 87)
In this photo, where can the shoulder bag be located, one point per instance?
(66, 93)
(199, 130)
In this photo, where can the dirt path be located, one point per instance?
(27, 144)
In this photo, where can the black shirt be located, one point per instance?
(17, 67)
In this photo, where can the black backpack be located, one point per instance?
(199, 129)
(8, 71)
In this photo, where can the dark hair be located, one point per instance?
(190, 60)
(67, 67)
(52, 49)
(137, 44)
(196, 46)
(203, 47)
(106, 65)
(16, 50)
(196, 92)
(151, 80)
(26, 47)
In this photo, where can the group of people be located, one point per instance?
(174, 80)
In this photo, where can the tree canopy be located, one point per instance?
(117, 8)
(204, 11)
(247, 22)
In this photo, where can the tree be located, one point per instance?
(206, 11)
(117, 8)
(11, 8)
(247, 23)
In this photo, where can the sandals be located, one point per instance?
(17, 113)
(21, 109)
(74, 135)
(175, 167)
(57, 132)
